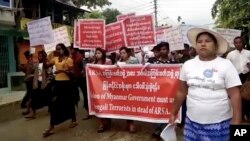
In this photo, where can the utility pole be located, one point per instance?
(156, 12)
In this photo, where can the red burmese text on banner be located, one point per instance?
(124, 16)
(139, 30)
(92, 33)
(114, 37)
(76, 35)
(132, 92)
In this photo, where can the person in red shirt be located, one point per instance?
(77, 58)
(80, 80)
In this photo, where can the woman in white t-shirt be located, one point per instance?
(211, 86)
(127, 58)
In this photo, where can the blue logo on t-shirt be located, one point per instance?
(208, 73)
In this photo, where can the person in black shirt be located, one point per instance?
(163, 58)
(156, 52)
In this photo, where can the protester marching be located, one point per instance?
(180, 76)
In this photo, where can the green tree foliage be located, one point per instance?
(92, 3)
(93, 15)
(110, 15)
(231, 13)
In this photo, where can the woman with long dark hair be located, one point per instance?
(62, 106)
(101, 59)
(126, 56)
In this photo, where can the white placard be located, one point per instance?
(161, 34)
(169, 134)
(32, 50)
(86, 54)
(174, 38)
(184, 30)
(40, 32)
(229, 34)
(61, 36)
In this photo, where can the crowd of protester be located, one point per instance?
(53, 80)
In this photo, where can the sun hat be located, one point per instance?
(222, 42)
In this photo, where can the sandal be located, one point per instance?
(73, 124)
(25, 113)
(30, 117)
(48, 132)
(156, 135)
(100, 129)
(108, 123)
(132, 129)
(87, 117)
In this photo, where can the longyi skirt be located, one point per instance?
(40, 97)
(62, 106)
(207, 132)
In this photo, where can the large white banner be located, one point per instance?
(40, 32)
(61, 36)
(229, 34)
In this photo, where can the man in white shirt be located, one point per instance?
(240, 58)
(144, 55)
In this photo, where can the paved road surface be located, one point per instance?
(13, 127)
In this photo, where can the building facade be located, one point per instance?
(14, 40)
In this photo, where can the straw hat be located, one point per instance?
(222, 42)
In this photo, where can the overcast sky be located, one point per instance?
(195, 12)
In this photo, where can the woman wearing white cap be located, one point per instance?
(211, 86)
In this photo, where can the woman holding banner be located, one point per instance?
(127, 58)
(101, 59)
(62, 106)
(211, 86)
